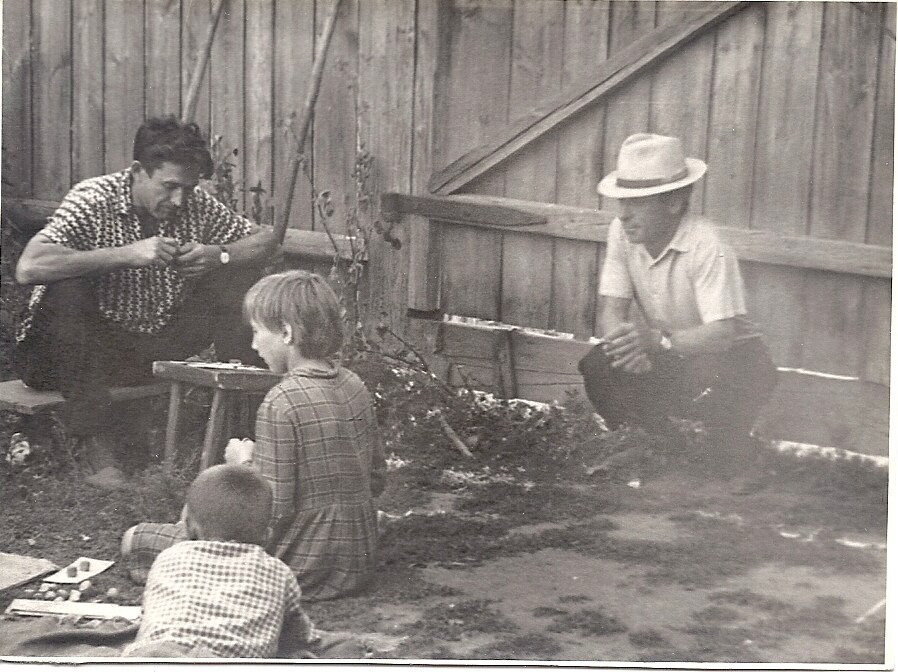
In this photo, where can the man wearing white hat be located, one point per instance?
(695, 354)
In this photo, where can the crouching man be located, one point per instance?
(132, 267)
(697, 355)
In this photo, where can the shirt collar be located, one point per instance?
(681, 242)
(123, 195)
(315, 371)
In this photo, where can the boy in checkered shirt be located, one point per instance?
(219, 594)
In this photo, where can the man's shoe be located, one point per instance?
(108, 478)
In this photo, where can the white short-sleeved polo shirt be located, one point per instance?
(695, 280)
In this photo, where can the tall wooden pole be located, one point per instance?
(199, 69)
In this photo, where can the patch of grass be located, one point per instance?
(591, 622)
(748, 598)
(647, 639)
(528, 646)
(574, 599)
(715, 614)
(548, 612)
(541, 503)
(450, 621)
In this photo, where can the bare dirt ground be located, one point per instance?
(526, 552)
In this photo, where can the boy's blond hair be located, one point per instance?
(304, 301)
(230, 503)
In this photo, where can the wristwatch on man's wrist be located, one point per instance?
(224, 256)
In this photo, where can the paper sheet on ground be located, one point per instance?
(102, 610)
(96, 566)
(18, 569)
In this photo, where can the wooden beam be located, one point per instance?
(611, 75)
(31, 215)
(498, 213)
(761, 246)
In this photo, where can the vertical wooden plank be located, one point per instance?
(87, 90)
(294, 26)
(734, 113)
(473, 97)
(782, 170)
(16, 98)
(336, 111)
(227, 86)
(163, 57)
(626, 111)
(574, 287)
(258, 92)
(472, 102)
(386, 82)
(834, 332)
(882, 181)
(536, 57)
(52, 98)
(684, 76)
(123, 89)
(579, 140)
(196, 17)
(878, 293)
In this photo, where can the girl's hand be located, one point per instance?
(239, 451)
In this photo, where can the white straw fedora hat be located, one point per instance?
(650, 164)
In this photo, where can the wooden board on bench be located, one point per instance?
(17, 397)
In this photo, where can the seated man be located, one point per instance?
(698, 356)
(132, 267)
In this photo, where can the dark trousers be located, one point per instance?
(726, 391)
(73, 349)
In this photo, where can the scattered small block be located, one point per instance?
(16, 570)
(98, 610)
(74, 573)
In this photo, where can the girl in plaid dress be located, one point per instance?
(317, 444)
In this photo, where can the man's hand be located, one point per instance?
(195, 259)
(629, 347)
(155, 251)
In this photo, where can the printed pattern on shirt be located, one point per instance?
(228, 597)
(99, 213)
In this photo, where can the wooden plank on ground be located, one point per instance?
(386, 86)
(87, 90)
(471, 103)
(846, 414)
(17, 397)
(258, 93)
(627, 109)
(123, 81)
(681, 87)
(225, 71)
(163, 57)
(833, 329)
(580, 137)
(336, 112)
(196, 16)
(294, 35)
(16, 99)
(783, 159)
(877, 330)
(51, 98)
(734, 112)
(639, 55)
(882, 181)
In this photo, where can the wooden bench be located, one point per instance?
(17, 397)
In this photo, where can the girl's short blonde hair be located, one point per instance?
(304, 301)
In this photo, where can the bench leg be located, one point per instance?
(215, 429)
(171, 427)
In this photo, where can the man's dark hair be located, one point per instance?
(161, 139)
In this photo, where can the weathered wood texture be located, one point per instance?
(792, 104)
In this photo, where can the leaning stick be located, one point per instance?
(193, 92)
(457, 443)
(280, 227)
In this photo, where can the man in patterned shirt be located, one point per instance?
(219, 594)
(133, 267)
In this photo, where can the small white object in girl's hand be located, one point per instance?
(239, 451)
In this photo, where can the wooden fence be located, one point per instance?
(791, 104)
